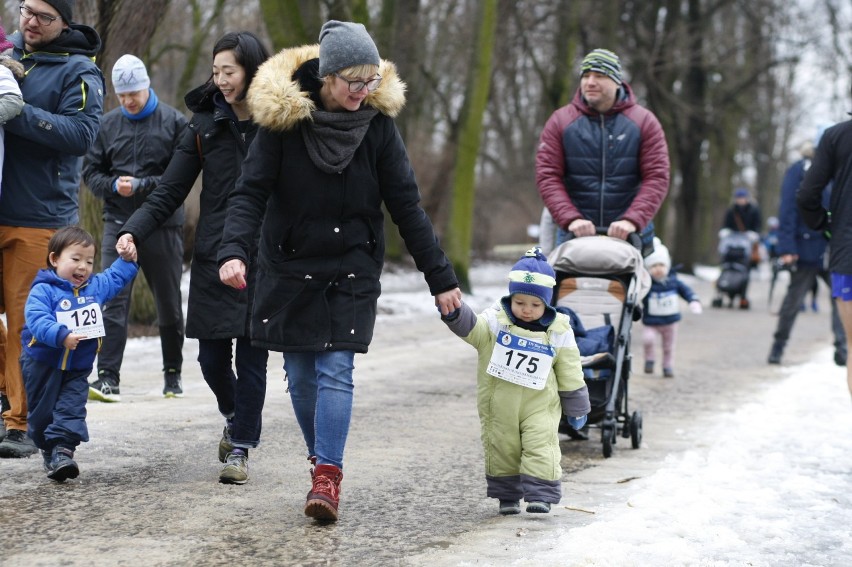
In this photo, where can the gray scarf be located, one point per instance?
(332, 137)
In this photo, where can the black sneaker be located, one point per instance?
(775, 354)
(4, 407)
(105, 388)
(509, 507)
(16, 445)
(840, 357)
(538, 507)
(173, 388)
(62, 465)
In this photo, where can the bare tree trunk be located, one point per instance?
(123, 28)
(459, 232)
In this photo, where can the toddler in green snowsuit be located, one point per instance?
(529, 374)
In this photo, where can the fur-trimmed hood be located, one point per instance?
(278, 102)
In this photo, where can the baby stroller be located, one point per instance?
(600, 283)
(735, 252)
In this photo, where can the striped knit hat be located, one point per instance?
(532, 275)
(602, 61)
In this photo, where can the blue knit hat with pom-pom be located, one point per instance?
(532, 275)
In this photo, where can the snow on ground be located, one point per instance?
(723, 507)
(718, 506)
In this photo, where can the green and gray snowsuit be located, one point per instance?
(519, 424)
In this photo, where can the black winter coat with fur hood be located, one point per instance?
(322, 241)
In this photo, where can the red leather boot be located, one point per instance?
(324, 496)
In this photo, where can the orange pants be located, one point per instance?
(23, 252)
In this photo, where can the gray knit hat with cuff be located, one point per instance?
(343, 45)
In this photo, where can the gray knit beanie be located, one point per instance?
(343, 45)
(129, 75)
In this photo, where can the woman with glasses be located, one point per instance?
(326, 158)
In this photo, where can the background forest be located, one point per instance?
(737, 85)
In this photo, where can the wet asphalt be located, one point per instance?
(413, 491)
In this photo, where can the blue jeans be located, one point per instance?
(239, 396)
(321, 390)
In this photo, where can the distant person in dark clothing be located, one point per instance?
(744, 214)
(803, 250)
(833, 164)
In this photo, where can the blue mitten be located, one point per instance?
(577, 422)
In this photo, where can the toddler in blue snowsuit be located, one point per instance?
(61, 337)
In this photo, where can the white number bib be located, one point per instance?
(86, 320)
(521, 361)
(663, 305)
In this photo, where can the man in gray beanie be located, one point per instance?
(135, 144)
(343, 45)
(129, 75)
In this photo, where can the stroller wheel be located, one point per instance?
(636, 430)
(608, 438)
(717, 302)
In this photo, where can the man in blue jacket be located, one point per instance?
(803, 250)
(63, 94)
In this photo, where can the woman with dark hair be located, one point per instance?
(215, 144)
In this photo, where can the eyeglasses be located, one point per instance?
(43, 19)
(358, 86)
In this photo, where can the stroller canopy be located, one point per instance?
(601, 256)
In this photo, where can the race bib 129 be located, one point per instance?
(86, 320)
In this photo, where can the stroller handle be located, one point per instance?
(633, 238)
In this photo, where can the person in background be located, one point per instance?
(133, 148)
(603, 143)
(215, 145)
(832, 165)
(743, 215)
(326, 158)
(661, 309)
(60, 341)
(770, 239)
(63, 95)
(11, 104)
(520, 405)
(803, 251)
